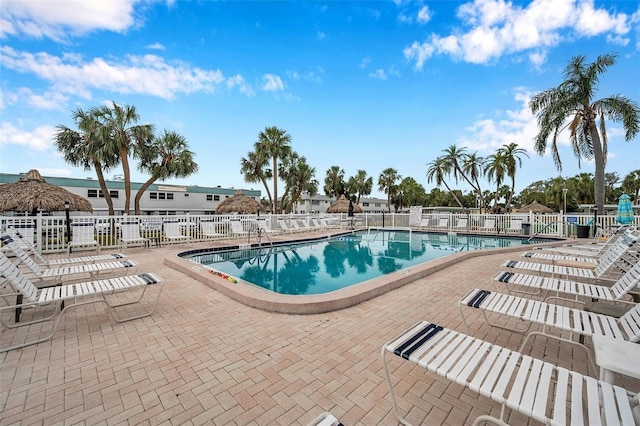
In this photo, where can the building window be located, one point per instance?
(209, 197)
(216, 198)
(161, 195)
(365, 204)
(97, 193)
(315, 202)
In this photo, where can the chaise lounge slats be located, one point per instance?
(516, 381)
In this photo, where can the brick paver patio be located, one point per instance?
(203, 358)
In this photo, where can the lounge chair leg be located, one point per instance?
(391, 394)
(592, 363)
(488, 419)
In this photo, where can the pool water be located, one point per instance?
(325, 265)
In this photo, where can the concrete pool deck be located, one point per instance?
(205, 358)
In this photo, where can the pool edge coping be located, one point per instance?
(265, 300)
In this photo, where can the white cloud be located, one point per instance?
(321, 35)
(365, 62)
(147, 75)
(519, 126)
(156, 46)
(493, 28)
(272, 83)
(378, 74)
(40, 139)
(424, 15)
(381, 74)
(314, 76)
(243, 87)
(54, 19)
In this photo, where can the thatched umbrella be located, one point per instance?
(342, 206)
(238, 203)
(535, 207)
(32, 193)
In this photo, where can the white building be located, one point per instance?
(158, 199)
(320, 203)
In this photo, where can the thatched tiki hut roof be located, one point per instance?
(342, 206)
(32, 193)
(238, 203)
(535, 207)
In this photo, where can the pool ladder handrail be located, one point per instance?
(259, 232)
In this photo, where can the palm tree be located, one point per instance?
(495, 169)
(274, 143)
(438, 170)
(299, 177)
(631, 184)
(334, 182)
(473, 167)
(580, 187)
(387, 183)
(165, 157)
(255, 169)
(573, 100)
(414, 193)
(466, 166)
(85, 148)
(121, 134)
(360, 184)
(511, 154)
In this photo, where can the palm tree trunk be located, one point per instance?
(103, 187)
(513, 188)
(124, 158)
(453, 193)
(141, 191)
(598, 158)
(275, 185)
(266, 188)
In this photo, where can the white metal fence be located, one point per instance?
(50, 233)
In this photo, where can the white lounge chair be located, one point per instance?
(61, 261)
(489, 225)
(537, 389)
(591, 249)
(210, 229)
(295, 226)
(551, 257)
(424, 224)
(173, 231)
(462, 224)
(315, 224)
(24, 234)
(284, 227)
(72, 295)
(236, 228)
(264, 227)
(536, 284)
(610, 259)
(71, 271)
(82, 235)
(575, 321)
(443, 223)
(515, 225)
(130, 235)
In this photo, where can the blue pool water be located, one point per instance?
(325, 265)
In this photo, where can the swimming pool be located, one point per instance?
(329, 264)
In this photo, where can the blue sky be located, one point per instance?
(362, 85)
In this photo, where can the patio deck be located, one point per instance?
(203, 358)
